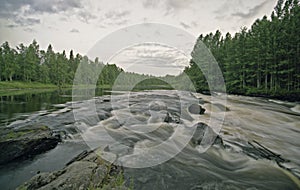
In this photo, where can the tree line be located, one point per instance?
(30, 64)
(261, 60)
(264, 59)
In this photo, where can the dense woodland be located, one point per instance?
(262, 60)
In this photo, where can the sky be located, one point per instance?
(80, 24)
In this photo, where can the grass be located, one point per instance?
(14, 88)
(14, 135)
(115, 182)
(15, 85)
(17, 134)
(16, 92)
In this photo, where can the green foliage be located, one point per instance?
(262, 60)
(25, 85)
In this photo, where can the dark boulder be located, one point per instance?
(172, 118)
(26, 142)
(204, 130)
(196, 109)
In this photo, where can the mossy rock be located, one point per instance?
(25, 142)
(86, 171)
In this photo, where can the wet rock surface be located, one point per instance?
(26, 142)
(196, 109)
(86, 171)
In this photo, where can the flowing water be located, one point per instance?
(149, 134)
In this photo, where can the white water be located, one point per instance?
(133, 126)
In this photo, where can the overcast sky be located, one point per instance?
(79, 24)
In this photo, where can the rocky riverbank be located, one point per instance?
(26, 142)
(86, 171)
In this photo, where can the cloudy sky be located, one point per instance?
(79, 24)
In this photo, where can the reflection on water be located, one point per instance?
(14, 174)
(13, 107)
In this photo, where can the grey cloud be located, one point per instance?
(252, 12)
(115, 15)
(151, 58)
(30, 30)
(184, 25)
(176, 5)
(154, 52)
(159, 63)
(24, 22)
(20, 11)
(53, 6)
(151, 3)
(170, 6)
(9, 8)
(74, 30)
(119, 22)
(27, 21)
(114, 18)
(85, 16)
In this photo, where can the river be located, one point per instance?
(137, 121)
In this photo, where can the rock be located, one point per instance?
(203, 129)
(196, 109)
(206, 93)
(107, 99)
(157, 106)
(170, 118)
(26, 142)
(86, 171)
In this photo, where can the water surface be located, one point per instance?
(138, 120)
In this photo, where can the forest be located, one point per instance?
(263, 60)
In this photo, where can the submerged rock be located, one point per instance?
(204, 130)
(86, 171)
(196, 109)
(25, 142)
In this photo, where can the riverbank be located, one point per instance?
(8, 88)
(18, 85)
(13, 88)
(292, 96)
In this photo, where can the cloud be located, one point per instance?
(169, 6)
(30, 30)
(9, 8)
(20, 12)
(27, 21)
(85, 16)
(252, 12)
(116, 15)
(151, 3)
(53, 6)
(184, 25)
(19, 21)
(74, 30)
(178, 4)
(155, 57)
